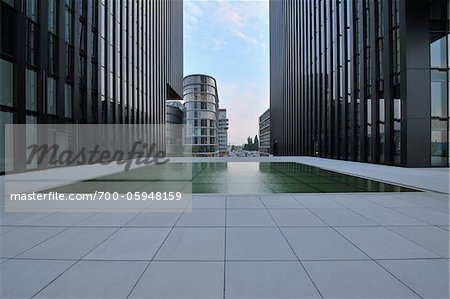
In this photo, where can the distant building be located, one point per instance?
(264, 133)
(223, 132)
(174, 130)
(201, 101)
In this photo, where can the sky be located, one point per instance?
(229, 40)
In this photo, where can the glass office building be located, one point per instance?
(223, 131)
(201, 101)
(89, 61)
(264, 134)
(361, 80)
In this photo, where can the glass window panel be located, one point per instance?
(31, 6)
(439, 142)
(31, 138)
(51, 96)
(439, 89)
(6, 82)
(6, 148)
(439, 53)
(68, 103)
(31, 90)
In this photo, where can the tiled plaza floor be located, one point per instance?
(376, 245)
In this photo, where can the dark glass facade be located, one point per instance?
(361, 80)
(89, 61)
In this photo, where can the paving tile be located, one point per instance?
(154, 219)
(244, 202)
(390, 201)
(428, 278)
(381, 243)
(354, 202)
(96, 279)
(431, 237)
(208, 202)
(342, 217)
(321, 243)
(280, 202)
(387, 217)
(17, 218)
(202, 217)
(355, 279)
(192, 244)
(73, 243)
(295, 217)
(62, 219)
(427, 215)
(24, 278)
(108, 219)
(249, 217)
(22, 238)
(317, 201)
(268, 280)
(130, 244)
(257, 244)
(181, 280)
(432, 200)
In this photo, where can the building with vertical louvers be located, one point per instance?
(361, 80)
(89, 61)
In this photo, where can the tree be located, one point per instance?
(256, 143)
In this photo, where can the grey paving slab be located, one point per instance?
(130, 244)
(431, 237)
(181, 280)
(24, 278)
(108, 219)
(317, 201)
(390, 201)
(244, 202)
(202, 217)
(268, 280)
(381, 243)
(430, 200)
(321, 243)
(354, 202)
(96, 279)
(428, 278)
(295, 217)
(355, 279)
(342, 217)
(426, 215)
(186, 243)
(22, 238)
(154, 219)
(249, 217)
(446, 227)
(387, 216)
(73, 243)
(208, 202)
(280, 202)
(17, 218)
(257, 244)
(62, 219)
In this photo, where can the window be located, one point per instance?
(31, 138)
(438, 51)
(51, 96)
(52, 15)
(6, 82)
(7, 29)
(69, 63)
(52, 56)
(69, 22)
(439, 97)
(31, 90)
(397, 130)
(68, 103)
(31, 43)
(6, 148)
(381, 130)
(31, 8)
